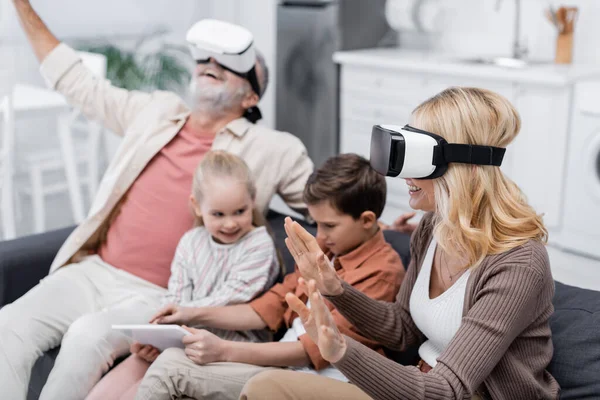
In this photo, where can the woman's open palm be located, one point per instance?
(319, 324)
(311, 262)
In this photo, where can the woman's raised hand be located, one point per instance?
(311, 261)
(319, 323)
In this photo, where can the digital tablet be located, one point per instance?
(160, 336)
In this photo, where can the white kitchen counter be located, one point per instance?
(411, 61)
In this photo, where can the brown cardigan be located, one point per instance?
(501, 349)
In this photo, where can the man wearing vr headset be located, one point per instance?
(118, 259)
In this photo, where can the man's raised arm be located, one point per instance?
(41, 39)
(63, 70)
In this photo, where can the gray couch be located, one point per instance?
(575, 323)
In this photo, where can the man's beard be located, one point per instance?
(217, 99)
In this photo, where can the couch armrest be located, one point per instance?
(24, 261)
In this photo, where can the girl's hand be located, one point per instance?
(203, 347)
(173, 314)
(311, 261)
(145, 351)
(319, 324)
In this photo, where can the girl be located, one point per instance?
(477, 296)
(228, 258)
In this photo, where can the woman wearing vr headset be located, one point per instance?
(477, 296)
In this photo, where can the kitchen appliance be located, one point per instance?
(581, 219)
(307, 93)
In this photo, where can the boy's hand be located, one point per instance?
(173, 314)
(145, 351)
(203, 347)
(311, 261)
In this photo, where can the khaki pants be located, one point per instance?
(290, 385)
(75, 308)
(174, 376)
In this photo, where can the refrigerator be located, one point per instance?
(307, 80)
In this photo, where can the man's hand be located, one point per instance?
(41, 39)
(145, 351)
(173, 314)
(203, 347)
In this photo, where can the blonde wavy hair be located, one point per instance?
(479, 211)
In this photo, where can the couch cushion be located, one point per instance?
(576, 336)
(25, 261)
(39, 373)
(401, 243)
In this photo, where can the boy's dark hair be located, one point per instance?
(349, 183)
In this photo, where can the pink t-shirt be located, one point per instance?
(156, 212)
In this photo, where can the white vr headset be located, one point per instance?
(231, 46)
(408, 152)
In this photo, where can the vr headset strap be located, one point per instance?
(250, 76)
(467, 154)
(253, 114)
(253, 80)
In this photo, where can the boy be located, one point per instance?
(345, 197)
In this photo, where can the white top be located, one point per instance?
(437, 318)
(206, 273)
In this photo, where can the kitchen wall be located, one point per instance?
(469, 28)
(485, 27)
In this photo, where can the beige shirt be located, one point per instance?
(147, 122)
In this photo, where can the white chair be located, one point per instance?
(7, 211)
(70, 156)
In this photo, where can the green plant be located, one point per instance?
(148, 65)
